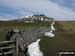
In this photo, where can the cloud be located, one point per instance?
(47, 7)
(1, 8)
(7, 17)
(66, 3)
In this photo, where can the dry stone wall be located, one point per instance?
(26, 36)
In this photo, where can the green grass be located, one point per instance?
(2, 35)
(15, 24)
(68, 24)
(63, 41)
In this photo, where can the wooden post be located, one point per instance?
(17, 46)
(14, 49)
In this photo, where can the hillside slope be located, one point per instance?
(63, 41)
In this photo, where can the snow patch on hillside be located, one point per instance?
(52, 27)
(28, 16)
(34, 49)
(50, 34)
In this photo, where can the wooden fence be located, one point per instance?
(8, 48)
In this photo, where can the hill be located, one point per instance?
(63, 41)
(35, 18)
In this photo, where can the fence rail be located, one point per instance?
(4, 42)
(10, 48)
(10, 52)
(7, 47)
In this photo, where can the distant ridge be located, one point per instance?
(34, 18)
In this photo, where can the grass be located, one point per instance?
(63, 41)
(68, 24)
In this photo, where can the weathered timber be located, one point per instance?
(10, 47)
(10, 52)
(4, 42)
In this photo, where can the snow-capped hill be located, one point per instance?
(39, 17)
(34, 18)
(28, 16)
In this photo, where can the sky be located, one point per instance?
(58, 9)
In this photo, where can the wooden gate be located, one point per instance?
(8, 48)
